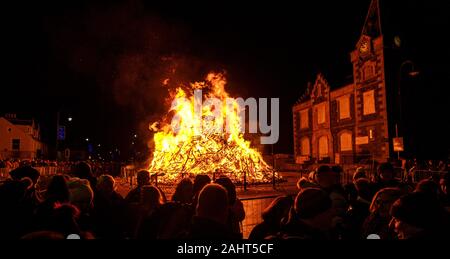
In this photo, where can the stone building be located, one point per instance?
(348, 123)
(20, 139)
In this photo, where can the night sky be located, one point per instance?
(102, 62)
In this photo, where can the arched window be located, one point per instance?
(323, 147)
(346, 141)
(305, 147)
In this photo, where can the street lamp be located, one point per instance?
(412, 73)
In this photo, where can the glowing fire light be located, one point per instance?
(196, 144)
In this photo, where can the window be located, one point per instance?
(371, 134)
(323, 147)
(304, 119)
(369, 102)
(344, 107)
(368, 71)
(16, 144)
(346, 141)
(321, 111)
(305, 151)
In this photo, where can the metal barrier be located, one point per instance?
(253, 209)
(420, 175)
(4, 173)
(43, 171)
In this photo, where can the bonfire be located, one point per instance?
(205, 138)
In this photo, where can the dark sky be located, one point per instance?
(102, 62)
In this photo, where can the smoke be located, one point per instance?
(131, 55)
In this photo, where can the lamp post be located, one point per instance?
(412, 73)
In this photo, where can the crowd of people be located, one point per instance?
(383, 207)
(89, 206)
(51, 166)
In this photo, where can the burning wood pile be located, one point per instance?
(206, 137)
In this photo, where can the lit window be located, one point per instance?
(305, 150)
(369, 102)
(371, 135)
(321, 111)
(346, 142)
(323, 147)
(344, 107)
(369, 71)
(304, 119)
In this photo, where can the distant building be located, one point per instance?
(350, 123)
(20, 139)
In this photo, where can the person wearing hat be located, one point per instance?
(311, 217)
(419, 216)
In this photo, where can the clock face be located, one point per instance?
(364, 48)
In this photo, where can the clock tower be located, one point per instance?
(371, 122)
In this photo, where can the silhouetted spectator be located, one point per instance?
(200, 181)
(237, 213)
(379, 218)
(25, 171)
(82, 196)
(274, 216)
(83, 170)
(57, 193)
(429, 187)
(304, 183)
(359, 173)
(358, 210)
(148, 226)
(419, 216)
(64, 220)
(210, 221)
(444, 196)
(311, 218)
(338, 171)
(143, 178)
(183, 192)
(327, 181)
(350, 188)
(16, 212)
(109, 210)
(385, 178)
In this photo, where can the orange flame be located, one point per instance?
(201, 144)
